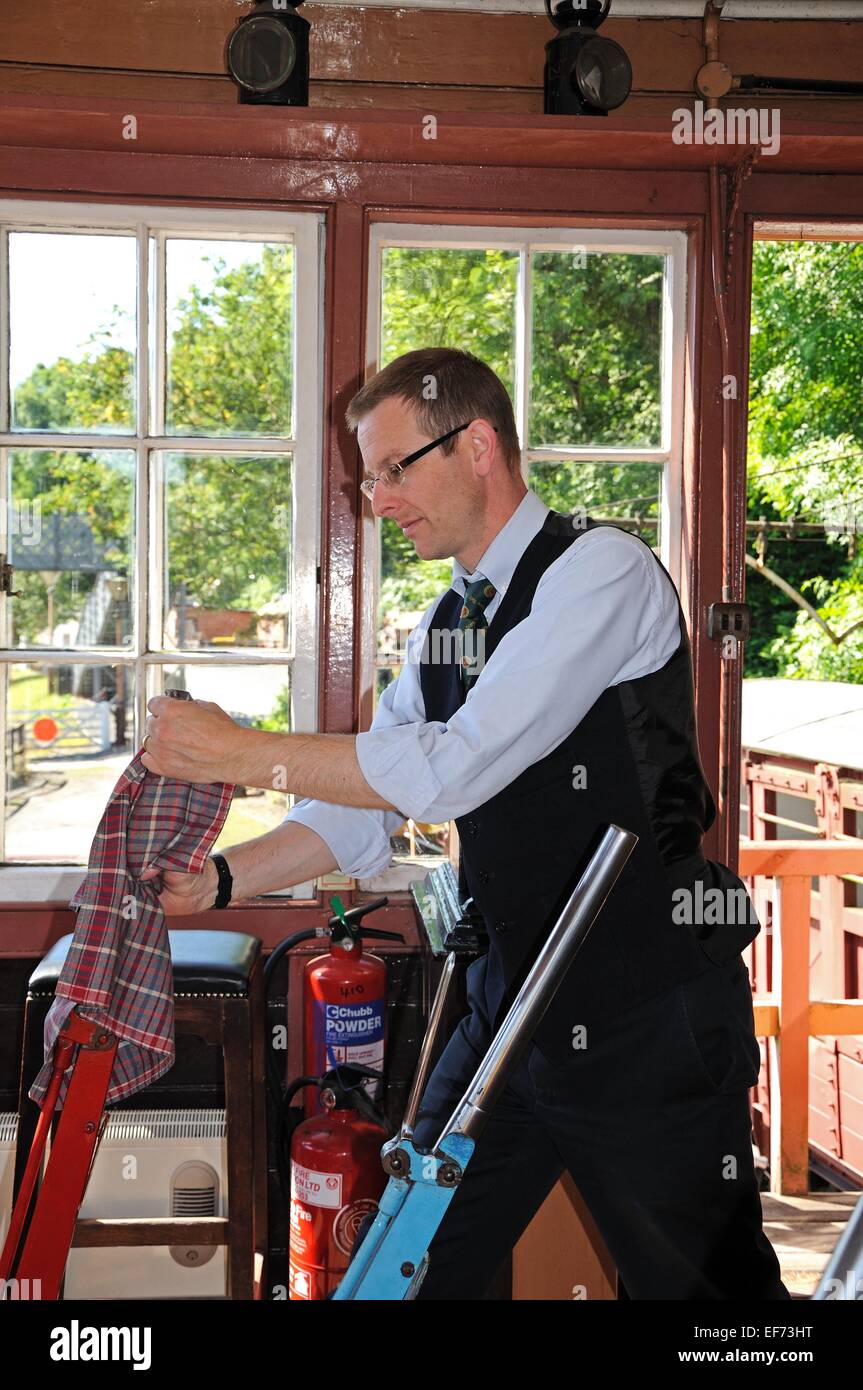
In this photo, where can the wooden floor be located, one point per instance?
(803, 1231)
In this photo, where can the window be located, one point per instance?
(159, 465)
(585, 327)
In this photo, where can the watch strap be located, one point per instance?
(226, 881)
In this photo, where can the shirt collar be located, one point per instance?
(506, 549)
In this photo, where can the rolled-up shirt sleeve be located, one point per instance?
(602, 612)
(359, 838)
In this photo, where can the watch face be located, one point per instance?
(603, 74)
(262, 53)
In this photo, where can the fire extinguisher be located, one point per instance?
(344, 1006)
(336, 1179)
(344, 1001)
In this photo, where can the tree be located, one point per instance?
(806, 450)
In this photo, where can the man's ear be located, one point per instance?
(482, 439)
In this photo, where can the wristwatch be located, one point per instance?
(226, 882)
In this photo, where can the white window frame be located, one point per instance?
(669, 452)
(147, 656)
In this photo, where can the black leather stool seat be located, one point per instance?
(205, 963)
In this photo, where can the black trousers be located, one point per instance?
(650, 1117)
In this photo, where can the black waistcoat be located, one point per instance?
(523, 850)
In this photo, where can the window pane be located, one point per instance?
(73, 331)
(68, 738)
(627, 494)
(259, 698)
(71, 524)
(595, 370)
(229, 318)
(440, 297)
(227, 533)
(436, 297)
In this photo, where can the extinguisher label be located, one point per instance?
(354, 1032)
(315, 1189)
(349, 1220)
(300, 1283)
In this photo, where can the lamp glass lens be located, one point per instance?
(603, 74)
(263, 54)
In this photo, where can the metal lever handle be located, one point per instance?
(419, 1081)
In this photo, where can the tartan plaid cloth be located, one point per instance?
(119, 959)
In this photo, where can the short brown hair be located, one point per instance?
(466, 388)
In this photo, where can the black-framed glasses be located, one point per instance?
(393, 476)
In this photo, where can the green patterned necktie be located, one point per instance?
(472, 621)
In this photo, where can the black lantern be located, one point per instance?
(268, 55)
(584, 74)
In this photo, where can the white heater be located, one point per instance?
(149, 1163)
(8, 1131)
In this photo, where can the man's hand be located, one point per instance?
(192, 740)
(196, 741)
(184, 894)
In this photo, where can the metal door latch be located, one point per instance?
(729, 620)
(6, 572)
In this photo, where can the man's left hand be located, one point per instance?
(192, 740)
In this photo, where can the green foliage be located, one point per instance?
(230, 363)
(806, 349)
(806, 450)
(95, 393)
(603, 490)
(98, 487)
(451, 298)
(807, 653)
(227, 540)
(596, 339)
(279, 719)
(441, 298)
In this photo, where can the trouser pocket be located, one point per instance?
(719, 1023)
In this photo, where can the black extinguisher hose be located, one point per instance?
(284, 1131)
(274, 1081)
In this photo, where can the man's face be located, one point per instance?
(436, 500)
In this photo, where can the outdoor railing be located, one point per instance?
(787, 1017)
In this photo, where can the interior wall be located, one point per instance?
(438, 60)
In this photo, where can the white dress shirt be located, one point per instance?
(603, 612)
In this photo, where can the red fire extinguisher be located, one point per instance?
(336, 1180)
(344, 1007)
(344, 1001)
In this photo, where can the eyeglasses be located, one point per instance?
(393, 476)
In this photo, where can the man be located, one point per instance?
(565, 703)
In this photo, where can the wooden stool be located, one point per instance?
(219, 997)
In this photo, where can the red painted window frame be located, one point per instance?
(359, 166)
